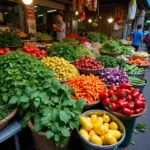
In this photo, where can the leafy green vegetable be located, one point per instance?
(141, 127)
(9, 38)
(96, 37)
(62, 49)
(43, 36)
(109, 62)
(82, 50)
(121, 63)
(27, 83)
(69, 40)
(113, 46)
(5, 110)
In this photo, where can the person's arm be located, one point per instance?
(59, 29)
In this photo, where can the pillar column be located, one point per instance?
(141, 18)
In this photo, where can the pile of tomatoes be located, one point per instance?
(124, 99)
(87, 62)
(4, 51)
(33, 51)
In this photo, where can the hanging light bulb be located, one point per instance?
(76, 13)
(110, 20)
(90, 20)
(27, 2)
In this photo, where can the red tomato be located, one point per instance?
(34, 55)
(6, 50)
(2, 52)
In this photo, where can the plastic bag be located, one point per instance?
(116, 26)
(132, 10)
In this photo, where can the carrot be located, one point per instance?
(87, 88)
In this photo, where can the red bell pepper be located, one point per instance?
(125, 85)
(121, 93)
(129, 98)
(139, 110)
(113, 87)
(104, 94)
(106, 102)
(110, 92)
(139, 104)
(113, 106)
(128, 92)
(127, 111)
(123, 104)
(136, 94)
(114, 99)
(131, 105)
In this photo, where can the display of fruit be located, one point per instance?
(138, 62)
(124, 99)
(99, 130)
(22, 34)
(63, 69)
(87, 62)
(43, 36)
(145, 54)
(33, 51)
(4, 51)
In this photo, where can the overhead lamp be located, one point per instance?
(79, 20)
(90, 20)
(76, 13)
(27, 2)
(110, 20)
(35, 6)
(40, 15)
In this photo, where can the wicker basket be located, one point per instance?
(89, 71)
(124, 117)
(4, 122)
(41, 142)
(45, 41)
(88, 106)
(110, 54)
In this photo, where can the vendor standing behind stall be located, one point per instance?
(60, 28)
(137, 37)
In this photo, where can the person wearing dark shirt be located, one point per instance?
(137, 37)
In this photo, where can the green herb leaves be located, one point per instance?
(28, 84)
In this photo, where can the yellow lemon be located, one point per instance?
(106, 118)
(117, 134)
(84, 134)
(113, 126)
(91, 133)
(110, 139)
(88, 118)
(106, 126)
(100, 120)
(96, 139)
(93, 119)
(103, 139)
(101, 130)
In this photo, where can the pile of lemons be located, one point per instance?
(63, 69)
(99, 130)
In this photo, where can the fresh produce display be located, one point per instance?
(33, 51)
(63, 69)
(99, 130)
(113, 76)
(127, 51)
(70, 40)
(133, 69)
(82, 39)
(22, 34)
(134, 80)
(124, 99)
(138, 62)
(87, 62)
(144, 54)
(8, 38)
(73, 36)
(96, 37)
(82, 50)
(4, 51)
(43, 36)
(39, 96)
(4, 110)
(62, 49)
(113, 46)
(121, 62)
(109, 62)
(87, 88)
